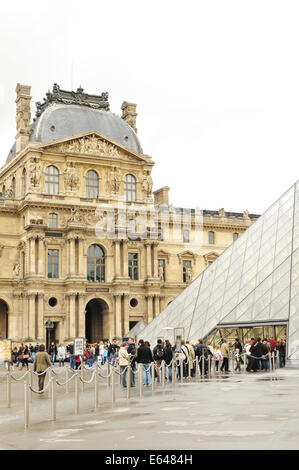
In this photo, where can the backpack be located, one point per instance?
(159, 352)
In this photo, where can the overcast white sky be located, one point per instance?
(216, 83)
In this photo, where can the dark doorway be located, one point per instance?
(3, 319)
(51, 335)
(132, 324)
(96, 321)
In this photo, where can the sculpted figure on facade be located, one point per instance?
(246, 215)
(16, 269)
(147, 183)
(35, 173)
(90, 145)
(161, 272)
(189, 274)
(75, 215)
(71, 180)
(115, 180)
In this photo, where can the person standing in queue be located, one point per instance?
(41, 364)
(131, 349)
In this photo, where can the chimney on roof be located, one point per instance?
(22, 116)
(129, 114)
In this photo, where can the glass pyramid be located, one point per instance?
(255, 280)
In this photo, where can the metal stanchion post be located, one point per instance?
(96, 389)
(128, 381)
(26, 403)
(189, 368)
(53, 398)
(108, 373)
(202, 359)
(140, 380)
(153, 375)
(82, 374)
(113, 386)
(173, 370)
(181, 370)
(209, 366)
(76, 393)
(163, 373)
(31, 384)
(50, 378)
(8, 386)
(66, 379)
(196, 367)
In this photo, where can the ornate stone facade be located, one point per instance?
(94, 261)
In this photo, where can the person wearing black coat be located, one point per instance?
(168, 356)
(145, 357)
(131, 349)
(252, 361)
(202, 352)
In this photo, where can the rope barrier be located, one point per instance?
(88, 381)
(21, 378)
(41, 373)
(67, 381)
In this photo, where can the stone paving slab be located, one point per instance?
(246, 411)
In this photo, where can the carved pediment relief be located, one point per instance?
(93, 143)
(210, 257)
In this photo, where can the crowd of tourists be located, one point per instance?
(182, 354)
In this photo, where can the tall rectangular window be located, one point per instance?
(53, 263)
(211, 238)
(186, 270)
(53, 220)
(133, 266)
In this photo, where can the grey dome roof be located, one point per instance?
(60, 121)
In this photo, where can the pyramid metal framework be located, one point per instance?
(255, 281)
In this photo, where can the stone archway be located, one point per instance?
(3, 319)
(96, 320)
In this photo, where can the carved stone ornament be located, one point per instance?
(23, 116)
(88, 145)
(189, 274)
(34, 173)
(1, 248)
(246, 215)
(147, 183)
(71, 179)
(114, 180)
(16, 269)
(75, 216)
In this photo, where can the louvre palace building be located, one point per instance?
(85, 242)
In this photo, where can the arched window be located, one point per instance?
(52, 180)
(24, 182)
(53, 218)
(95, 264)
(235, 236)
(211, 238)
(130, 188)
(92, 184)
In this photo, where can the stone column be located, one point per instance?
(125, 272)
(148, 260)
(41, 256)
(117, 299)
(31, 328)
(81, 259)
(81, 315)
(117, 259)
(40, 317)
(111, 324)
(31, 255)
(156, 305)
(72, 315)
(13, 317)
(126, 313)
(72, 257)
(155, 258)
(149, 307)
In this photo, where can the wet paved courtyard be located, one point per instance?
(246, 411)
